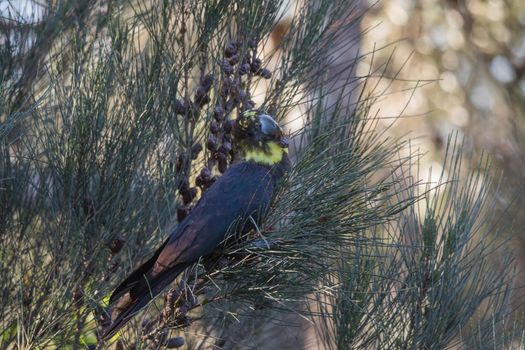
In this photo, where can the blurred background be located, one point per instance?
(451, 69)
(460, 67)
(454, 67)
(475, 52)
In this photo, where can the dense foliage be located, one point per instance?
(116, 117)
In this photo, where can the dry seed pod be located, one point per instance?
(223, 162)
(247, 58)
(218, 113)
(234, 60)
(89, 207)
(186, 197)
(180, 107)
(174, 343)
(284, 142)
(119, 345)
(195, 150)
(214, 127)
(205, 173)
(230, 105)
(219, 343)
(178, 164)
(249, 104)
(5, 294)
(199, 92)
(252, 43)
(241, 96)
(199, 181)
(162, 336)
(234, 92)
(112, 267)
(78, 295)
(205, 100)
(244, 69)
(256, 65)
(265, 73)
(204, 180)
(207, 82)
(228, 126)
(147, 325)
(227, 68)
(230, 49)
(104, 319)
(116, 244)
(227, 83)
(225, 147)
(201, 97)
(211, 144)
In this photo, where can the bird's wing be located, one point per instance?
(127, 306)
(245, 190)
(136, 275)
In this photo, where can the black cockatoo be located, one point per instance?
(241, 195)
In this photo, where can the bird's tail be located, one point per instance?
(132, 301)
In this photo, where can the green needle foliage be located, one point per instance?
(113, 126)
(432, 285)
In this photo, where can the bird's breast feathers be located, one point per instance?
(270, 155)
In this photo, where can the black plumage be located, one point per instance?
(238, 198)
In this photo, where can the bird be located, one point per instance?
(240, 197)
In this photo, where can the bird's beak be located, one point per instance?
(269, 126)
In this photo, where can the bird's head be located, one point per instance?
(259, 138)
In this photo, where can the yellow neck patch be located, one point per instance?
(272, 155)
